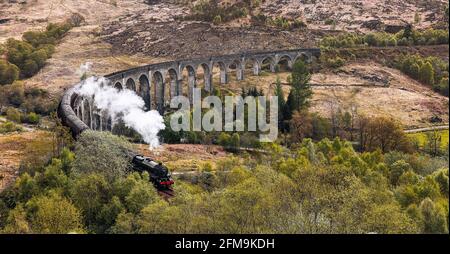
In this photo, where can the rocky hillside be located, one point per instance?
(358, 15)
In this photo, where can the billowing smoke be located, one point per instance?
(126, 105)
(84, 69)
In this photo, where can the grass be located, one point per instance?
(7, 127)
(422, 138)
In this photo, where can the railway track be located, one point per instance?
(166, 193)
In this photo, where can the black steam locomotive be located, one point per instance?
(159, 174)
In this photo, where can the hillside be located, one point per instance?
(361, 144)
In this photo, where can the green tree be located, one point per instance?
(18, 52)
(426, 73)
(301, 88)
(8, 72)
(89, 193)
(29, 68)
(39, 56)
(32, 118)
(281, 103)
(415, 71)
(14, 115)
(235, 141)
(140, 195)
(224, 139)
(53, 176)
(217, 20)
(101, 152)
(54, 214)
(441, 177)
(443, 87)
(408, 31)
(434, 220)
(397, 170)
(17, 222)
(160, 217)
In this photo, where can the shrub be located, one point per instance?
(103, 153)
(7, 127)
(32, 118)
(329, 22)
(8, 72)
(332, 62)
(431, 71)
(211, 10)
(13, 94)
(224, 139)
(235, 140)
(217, 20)
(443, 87)
(426, 74)
(30, 68)
(14, 115)
(402, 38)
(54, 214)
(30, 54)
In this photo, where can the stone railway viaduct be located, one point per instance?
(158, 83)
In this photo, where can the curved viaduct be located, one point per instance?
(158, 83)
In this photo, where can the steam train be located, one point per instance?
(159, 174)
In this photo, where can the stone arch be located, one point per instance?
(144, 90)
(252, 66)
(96, 121)
(104, 117)
(189, 74)
(205, 75)
(73, 100)
(268, 64)
(302, 56)
(118, 86)
(284, 63)
(109, 123)
(130, 84)
(172, 78)
(87, 113)
(158, 83)
(77, 105)
(79, 111)
(223, 75)
(237, 66)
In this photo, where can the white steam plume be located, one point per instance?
(84, 68)
(124, 104)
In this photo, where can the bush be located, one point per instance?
(13, 94)
(29, 55)
(103, 153)
(14, 115)
(381, 39)
(332, 62)
(8, 72)
(235, 141)
(7, 127)
(431, 71)
(32, 118)
(54, 214)
(284, 23)
(224, 139)
(426, 73)
(443, 87)
(217, 20)
(211, 11)
(329, 22)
